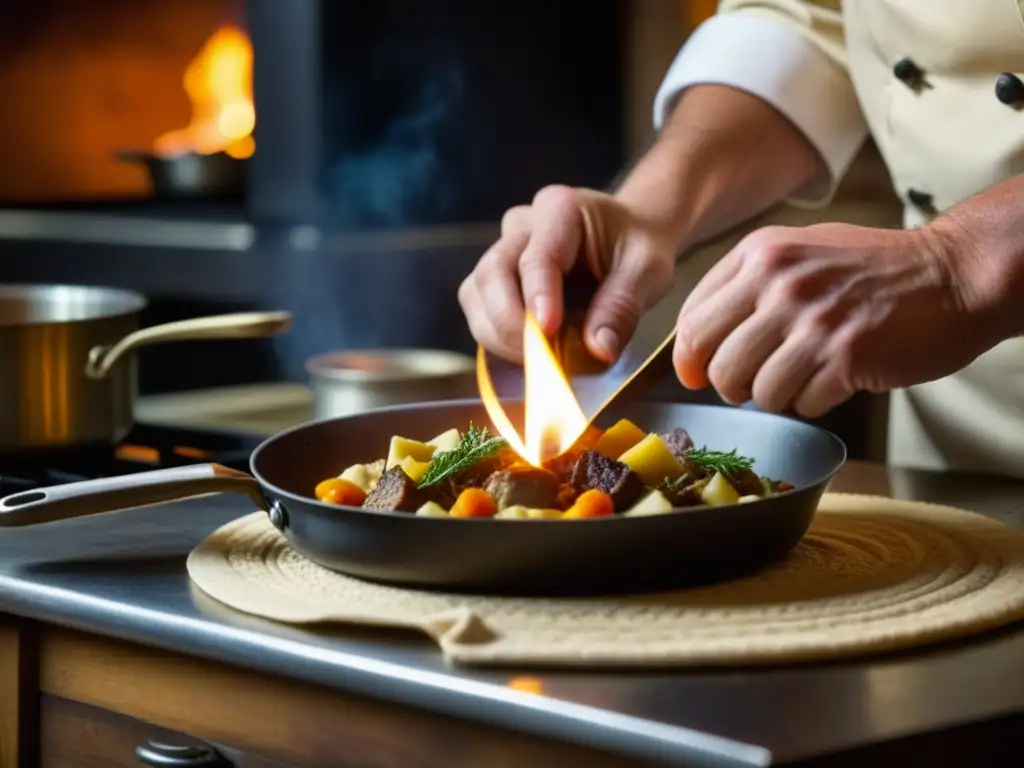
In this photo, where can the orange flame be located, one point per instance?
(218, 82)
(554, 420)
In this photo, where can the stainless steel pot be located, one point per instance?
(349, 382)
(67, 375)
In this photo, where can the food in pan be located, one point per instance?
(619, 471)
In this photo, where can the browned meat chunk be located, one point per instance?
(746, 482)
(395, 490)
(594, 471)
(478, 473)
(678, 441)
(523, 485)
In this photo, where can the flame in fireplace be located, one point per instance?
(218, 82)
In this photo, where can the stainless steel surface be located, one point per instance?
(123, 575)
(354, 381)
(68, 378)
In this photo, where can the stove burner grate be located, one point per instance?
(148, 447)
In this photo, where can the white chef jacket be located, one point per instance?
(939, 84)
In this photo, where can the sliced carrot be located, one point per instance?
(473, 502)
(592, 503)
(345, 493)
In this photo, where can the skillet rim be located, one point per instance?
(614, 520)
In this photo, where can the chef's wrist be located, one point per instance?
(655, 189)
(987, 270)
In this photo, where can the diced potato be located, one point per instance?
(519, 512)
(748, 498)
(446, 441)
(403, 447)
(652, 460)
(414, 469)
(432, 509)
(364, 475)
(619, 438)
(653, 503)
(718, 492)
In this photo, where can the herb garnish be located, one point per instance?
(725, 462)
(476, 444)
(675, 485)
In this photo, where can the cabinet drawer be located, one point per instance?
(75, 735)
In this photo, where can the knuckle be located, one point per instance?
(726, 384)
(622, 307)
(507, 334)
(845, 360)
(535, 260)
(463, 294)
(495, 259)
(792, 290)
(686, 332)
(819, 325)
(770, 396)
(770, 250)
(558, 196)
(515, 219)
(772, 257)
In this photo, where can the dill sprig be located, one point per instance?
(726, 462)
(476, 444)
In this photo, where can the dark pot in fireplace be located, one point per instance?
(190, 175)
(69, 374)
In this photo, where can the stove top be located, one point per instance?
(147, 447)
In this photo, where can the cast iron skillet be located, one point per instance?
(696, 545)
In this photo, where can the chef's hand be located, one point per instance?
(803, 318)
(539, 244)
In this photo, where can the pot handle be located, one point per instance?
(91, 497)
(240, 325)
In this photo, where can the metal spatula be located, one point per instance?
(602, 390)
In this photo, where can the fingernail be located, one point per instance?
(607, 341)
(541, 309)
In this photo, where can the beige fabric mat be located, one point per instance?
(873, 574)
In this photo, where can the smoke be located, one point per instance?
(401, 179)
(398, 139)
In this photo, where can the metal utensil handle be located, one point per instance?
(91, 497)
(239, 325)
(157, 754)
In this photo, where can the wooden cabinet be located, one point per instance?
(75, 735)
(73, 700)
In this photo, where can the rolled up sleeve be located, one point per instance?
(791, 55)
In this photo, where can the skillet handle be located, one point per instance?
(91, 497)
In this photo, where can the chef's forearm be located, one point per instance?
(722, 157)
(983, 240)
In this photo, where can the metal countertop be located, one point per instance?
(123, 575)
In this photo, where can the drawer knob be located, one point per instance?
(160, 755)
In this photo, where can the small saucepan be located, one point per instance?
(498, 556)
(190, 175)
(69, 374)
(354, 381)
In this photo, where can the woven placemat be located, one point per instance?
(873, 574)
